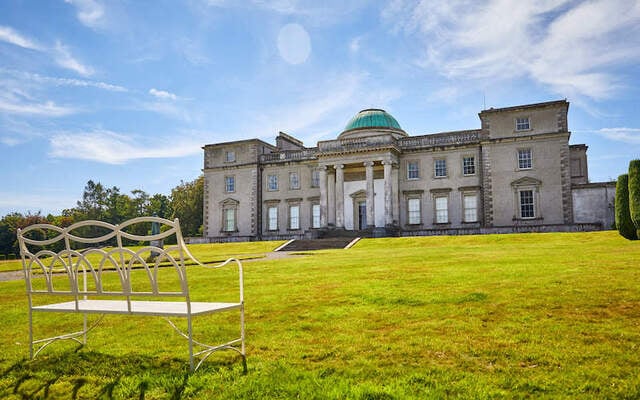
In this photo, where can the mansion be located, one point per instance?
(516, 173)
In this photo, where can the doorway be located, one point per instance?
(362, 215)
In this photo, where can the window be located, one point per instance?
(273, 218)
(413, 207)
(230, 156)
(524, 159)
(230, 184)
(469, 165)
(315, 178)
(294, 217)
(522, 124)
(294, 180)
(470, 204)
(442, 210)
(440, 168)
(412, 170)
(229, 223)
(527, 207)
(315, 216)
(272, 182)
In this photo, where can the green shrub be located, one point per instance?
(623, 218)
(634, 194)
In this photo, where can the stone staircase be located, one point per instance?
(317, 244)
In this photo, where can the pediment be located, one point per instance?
(359, 193)
(229, 202)
(526, 181)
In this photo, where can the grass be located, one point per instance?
(494, 316)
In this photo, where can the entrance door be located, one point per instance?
(362, 215)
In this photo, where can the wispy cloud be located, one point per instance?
(162, 94)
(625, 135)
(90, 12)
(56, 81)
(46, 109)
(568, 46)
(65, 59)
(8, 35)
(109, 147)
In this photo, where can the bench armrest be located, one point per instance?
(240, 274)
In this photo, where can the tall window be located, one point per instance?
(272, 182)
(524, 159)
(413, 207)
(229, 223)
(522, 124)
(442, 210)
(470, 204)
(273, 218)
(469, 165)
(230, 184)
(315, 216)
(315, 178)
(412, 170)
(440, 168)
(294, 180)
(527, 206)
(294, 217)
(230, 156)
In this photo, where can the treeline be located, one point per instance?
(110, 205)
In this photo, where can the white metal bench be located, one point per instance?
(89, 266)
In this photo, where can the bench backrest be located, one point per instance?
(86, 250)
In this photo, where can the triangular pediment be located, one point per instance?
(359, 193)
(526, 181)
(229, 202)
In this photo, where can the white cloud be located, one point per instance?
(32, 77)
(567, 45)
(626, 135)
(161, 94)
(90, 12)
(8, 35)
(46, 109)
(64, 58)
(115, 148)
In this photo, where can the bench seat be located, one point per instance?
(138, 307)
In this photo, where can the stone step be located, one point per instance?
(317, 244)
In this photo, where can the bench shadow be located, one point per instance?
(100, 374)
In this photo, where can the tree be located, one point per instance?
(634, 194)
(623, 218)
(187, 200)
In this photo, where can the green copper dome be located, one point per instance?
(372, 118)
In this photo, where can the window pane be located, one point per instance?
(294, 217)
(294, 181)
(522, 124)
(272, 182)
(273, 218)
(527, 209)
(412, 170)
(442, 210)
(229, 219)
(469, 166)
(441, 168)
(413, 206)
(230, 156)
(524, 159)
(315, 178)
(315, 211)
(470, 208)
(230, 184)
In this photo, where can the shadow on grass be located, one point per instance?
(90, 374)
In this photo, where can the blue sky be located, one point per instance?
(127, 92)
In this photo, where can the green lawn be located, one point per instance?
(494, 316)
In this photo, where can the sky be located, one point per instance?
(127, 92)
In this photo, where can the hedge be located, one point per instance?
(634, 194)
(623, 218)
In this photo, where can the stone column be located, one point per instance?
(395, 193)
(331, 198)
(323, 196)
(339, 195)
(388, 194)
(371, 216)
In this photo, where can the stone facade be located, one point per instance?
(516, 173)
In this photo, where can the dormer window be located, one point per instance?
(522, 124)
